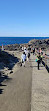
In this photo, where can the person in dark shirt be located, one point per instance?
(33, 51)
(39, 59)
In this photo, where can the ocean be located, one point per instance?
(17, 40)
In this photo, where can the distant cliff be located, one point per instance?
(44, 43)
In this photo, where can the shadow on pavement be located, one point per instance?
(35, 66)
(3, 78)
(2, 85)
(1, 91)
(47, 68)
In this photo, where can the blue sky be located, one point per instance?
(26, 18)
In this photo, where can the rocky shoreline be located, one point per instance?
(43, 43)
(8, 63)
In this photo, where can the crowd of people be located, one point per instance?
(26, 51)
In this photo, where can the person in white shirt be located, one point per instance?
(27, 52)
(23, 58)
(28, 55)
(22, 48)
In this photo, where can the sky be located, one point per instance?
(24, 18)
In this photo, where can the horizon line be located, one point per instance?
(18, 36)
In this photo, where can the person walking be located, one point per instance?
(39, 59)
(23, 58)
(33, 51)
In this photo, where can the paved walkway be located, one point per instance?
(16, 95)
(40, 88)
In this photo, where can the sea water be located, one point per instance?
(17, 40)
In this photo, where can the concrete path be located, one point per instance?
(40, 88)
(16, 95)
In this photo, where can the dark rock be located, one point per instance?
(0, 73)
(43, 43)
